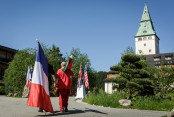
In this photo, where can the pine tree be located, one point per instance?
(134, 78)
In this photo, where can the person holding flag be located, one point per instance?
(39, 91)
(64, 83)
(86, 76)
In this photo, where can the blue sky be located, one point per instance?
(102, 29)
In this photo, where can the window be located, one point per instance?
(168, 66)
(2, 54)
(144, 31)
(145, 38)
(156, 59)
(144, 44)
(140, 51)
(150, 50)
(149, 37)
(113, 76)
(168, 58)
(139, 39)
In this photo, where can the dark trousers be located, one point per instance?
(63, 98)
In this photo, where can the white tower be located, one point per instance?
(146, 40)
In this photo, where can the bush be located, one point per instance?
(103, 99)
(15, 75)
(139, 102)
(152, 103)
(2, 91)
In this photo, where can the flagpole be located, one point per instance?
(37, 40)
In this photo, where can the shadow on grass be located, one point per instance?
(70, 112)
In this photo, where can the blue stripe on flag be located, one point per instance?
(40, 57)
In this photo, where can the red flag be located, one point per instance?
(39, 91)
(69, 64)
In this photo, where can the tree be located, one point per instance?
(15, 75)
(55, 57)
(163, 79)
(100, 76)
(81, 58)
(134, 75)
(129, 49)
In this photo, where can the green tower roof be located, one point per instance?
(146, 25)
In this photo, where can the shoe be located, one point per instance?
(61, 111)
(66, 108)
(40, 110)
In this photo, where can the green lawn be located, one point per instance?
(143, 103)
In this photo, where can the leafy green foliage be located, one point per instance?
(99, 79)
(120, 84)
(129, 49)
(2, 90)
(163, 79)
(81, 58)
(134, 75)
(55, 57)
(106, 100)
(139, 102)
(15, 75)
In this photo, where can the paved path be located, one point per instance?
(16, 107)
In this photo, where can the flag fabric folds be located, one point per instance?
(80, 77)
(39, 91)
(29, 76)
(86, 76)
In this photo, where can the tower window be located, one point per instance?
(145, 38)
(140, 51)
(139, 39)
(144, 44)
(150, 50)
(144, 31)
(149, 37)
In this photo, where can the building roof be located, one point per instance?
(108, 80)
(146, 25)
(7, 49)
(111, 72)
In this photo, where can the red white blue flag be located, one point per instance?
(86, 76)
(80, 77)
(29, 76)
(39, 91)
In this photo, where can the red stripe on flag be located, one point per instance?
(28, 83)
(70, 64)
(39, 98)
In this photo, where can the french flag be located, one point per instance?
(29, 76)
(39, 91)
